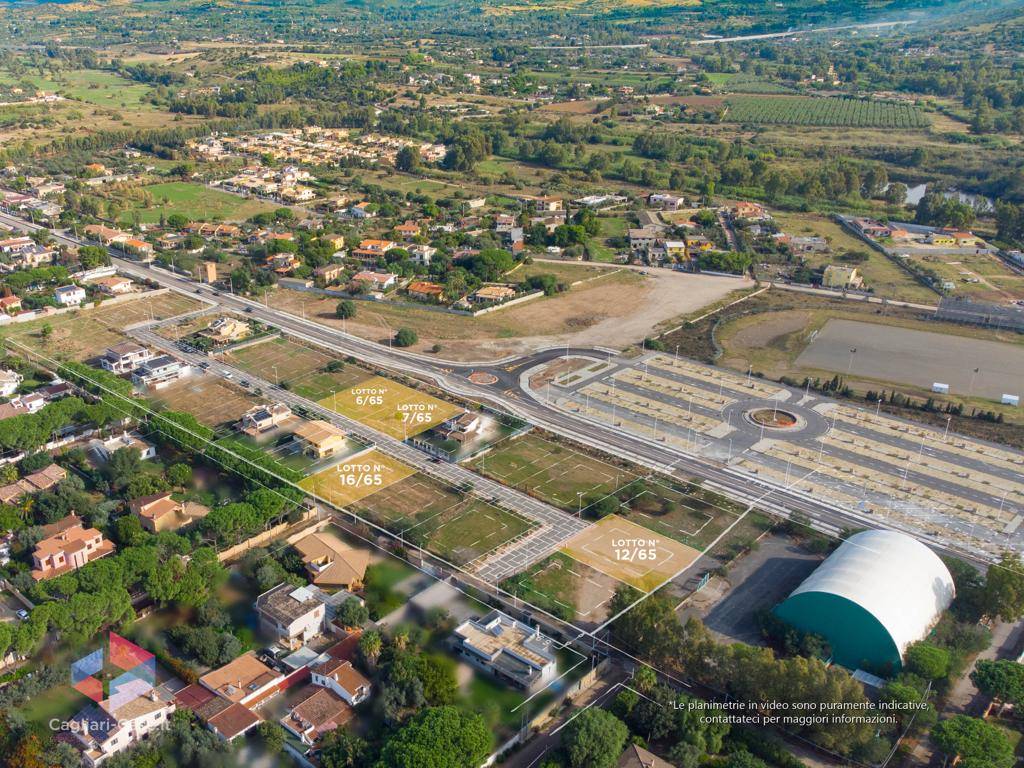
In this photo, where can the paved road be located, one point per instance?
(507, 394)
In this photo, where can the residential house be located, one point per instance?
(666, 202)
(372, 250)
(113, 725)
(114, 286)
(217, 231)
(15, 244)
(744, 210)
(422, 254)
(160, 512)
(69, 295)
(675, 250)
(226, 330)
(489, 293)
(319, 711)
(425, 291)
(336, 242)
(636, 756)
(292, 615)
(158, 372)
(938, 237)
(342, 678)
(643, 239)
(104, 449)
(43, 480)
(9, 382)
(226, 719)
(9, 304)
(504, 223)
(137, 247)
(408, 230)
(507, 649)
(331, 563)
(66, 546)
(362, 211)
(839, 276)
(246, 680)
(460, 428)
(808, 244)
(320, 439)
(378, 281)
(329, 273)
(125, 357)
(104, 235)
(263, 418)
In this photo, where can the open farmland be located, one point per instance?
(826, 112)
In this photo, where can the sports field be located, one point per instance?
(456, 526)
(553, 472)
(630, 552)
(356, 478)
(390, 407)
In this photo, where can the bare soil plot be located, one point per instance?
(390, 407)
(297, 367)
(617, 310)
(212, 401)
(918, 358)
(455, 526)
(566, 588)
(85, 333)
(356, 478)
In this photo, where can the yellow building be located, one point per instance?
(320, 439)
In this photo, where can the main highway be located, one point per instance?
(510, 394)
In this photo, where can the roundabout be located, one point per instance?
(779, 420)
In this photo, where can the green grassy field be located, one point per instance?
(93, 86)
(196, 202)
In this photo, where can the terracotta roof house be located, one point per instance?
(224, 718)
(319, 712)
(160, 512)
(320, 439)
(638, 757)
(342, 678)
(246, 680)
(67, 546)
(331, 563)
(43, 480)
(425, 291)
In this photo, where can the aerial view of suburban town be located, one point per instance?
(455, 384)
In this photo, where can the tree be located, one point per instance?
(353, 613)
(345, 310)
(406, 337)
(370, 646)
(124, 464)
(440, 737)
(179, 474)
(408, 159)
(341, 748)
(273, 736)
(1003, 680)
(977, 743)
(1004, 588)
(927, 660)
(595, 739)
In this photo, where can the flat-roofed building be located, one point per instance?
(125, 357)
(291, 614)
(507, 649)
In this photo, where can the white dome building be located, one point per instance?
(878, 593)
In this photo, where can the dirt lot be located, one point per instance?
(212, 401)
(918, 358)
(85, 333)
(617, 310)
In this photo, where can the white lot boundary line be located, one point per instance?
(707, 549)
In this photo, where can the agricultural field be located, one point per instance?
(825, 112)
(196, 202)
